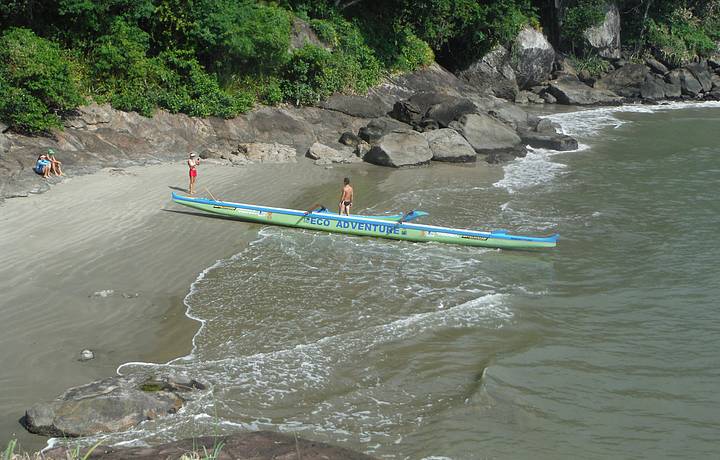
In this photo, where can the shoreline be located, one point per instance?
(105, 262)
(141, 310)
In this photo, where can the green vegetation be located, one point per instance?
(595, 65)
(221, 57)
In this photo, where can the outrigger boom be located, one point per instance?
(396, 226)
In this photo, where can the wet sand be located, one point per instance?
(104, 262)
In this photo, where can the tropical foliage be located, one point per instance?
(220, 57)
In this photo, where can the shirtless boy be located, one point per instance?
(346, 198)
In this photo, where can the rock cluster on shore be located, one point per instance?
(391, 125)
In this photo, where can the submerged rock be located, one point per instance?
(112, 404)
(258, 445)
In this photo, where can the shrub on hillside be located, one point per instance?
(681, 39)
(238, 36)
(310, 76)
(131, 80)
(36, 82)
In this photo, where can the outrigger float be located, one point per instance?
(394, 226)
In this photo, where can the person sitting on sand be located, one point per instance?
(43, 166)
(193, 163)
(346, 198)
(55, 166)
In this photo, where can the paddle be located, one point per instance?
(315, 207)
(211, 195)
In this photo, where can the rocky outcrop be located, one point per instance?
(604, 39)
(259, 152)
(398, 149)
(258, 445)
(324, 155)
(625, 81)
(422, 108)
(449, 145)
(689, 85)
(489, 136)
(569, 90)
(376, 129)
(370, 106)
(97, 136)
(533, 58)
(702, 73)
(653, 88)
(113, 404)
(302, 34)
(493, 74)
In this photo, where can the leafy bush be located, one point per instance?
(310, 76)
(594, 64)
(234, 36)
(413, 53)
(681, 39)
(174, 80)
(36, 82)
(325, 31)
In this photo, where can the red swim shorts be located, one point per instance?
(193, 173)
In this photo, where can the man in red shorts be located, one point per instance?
(193, 163)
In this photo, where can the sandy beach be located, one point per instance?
(103, 262)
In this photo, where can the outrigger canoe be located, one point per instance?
(395, 226)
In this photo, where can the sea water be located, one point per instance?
(605, 347)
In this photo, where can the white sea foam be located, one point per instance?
(535, 169)
(539, 167)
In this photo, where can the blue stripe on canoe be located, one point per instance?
(406, 225)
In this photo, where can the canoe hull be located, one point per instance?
(375, 227)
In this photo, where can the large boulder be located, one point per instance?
(282, 126)
(533, 58)
(604, 38)
(370, 106)
(689, 85)
(449, 145)
(673, 86)
(256, 445)
(112, 404)
(492, 74)
(323, 155)
(487, 135)
(440, 107)
(571, 91)
(399, 149)
(703, 75)
(259, 152)
(656, 66)
(379, 127)
(625, 81)
(653, 88)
